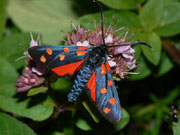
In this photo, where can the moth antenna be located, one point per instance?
(130, 44)
(102, 20)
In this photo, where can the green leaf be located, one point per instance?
(13, 47)
(170, 22)
(124, 18)
(37, 90)
(153, 55)
(62, 84)
(11, 126)
(171, 14)
(40, 110)
(124, 120)
(166, 2)
(165, 65)
(2, 16)
(43, 16)
(169, 30)
(82, 124)
(151, 14)
(144, 70)
(57, 133)
(88, 108)
(171, 96)
(176, 127)
(120, 4)
(156, 124)
(143, 111)
(8, 74)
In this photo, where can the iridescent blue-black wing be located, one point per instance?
(63, 60)
(101, 89)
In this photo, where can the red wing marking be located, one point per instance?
(110, 83)
(112, 101)
(61, 57)
(82, 48)
(107, 110)
(108, 67)
(43, 59)
(67, 69)
(103, 69)
(91, 85)
(49, 51)
(66, 49)
(79, 53)
(103, 91)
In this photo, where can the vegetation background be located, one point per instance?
(145, 97)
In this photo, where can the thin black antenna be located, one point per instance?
(102, 20)
(130, 44)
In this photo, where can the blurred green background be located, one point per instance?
(145, 97)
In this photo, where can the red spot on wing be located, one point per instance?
(43, 59)
(67, 69)
(91, 85)
(108, 67)
(103, 91)
(61, 57)
(79, 53)
(110, 83)
(49, 51)
(103, 69)
(112, 101)
(82, 48)
(107, 110)
(66, 49)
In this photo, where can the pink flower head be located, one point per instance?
(28, 80)
(34, 72)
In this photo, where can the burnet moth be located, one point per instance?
(93, 72)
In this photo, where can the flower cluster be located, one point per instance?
(33, 75)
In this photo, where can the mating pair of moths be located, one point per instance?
(93, 72)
